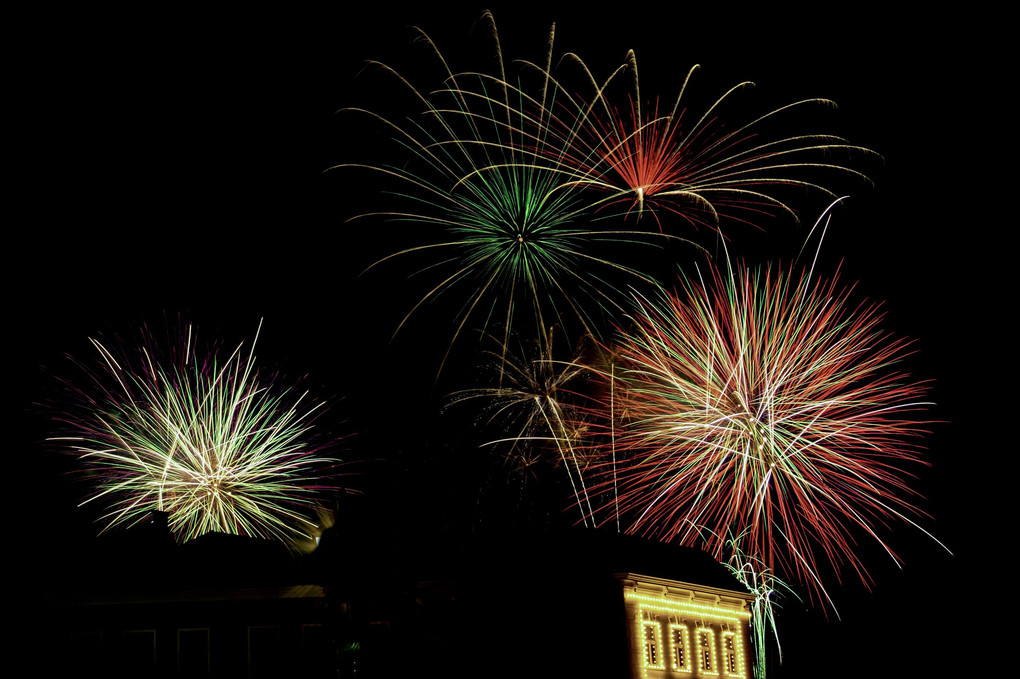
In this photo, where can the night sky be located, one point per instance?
(176, 164)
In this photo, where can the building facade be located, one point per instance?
(685, 630)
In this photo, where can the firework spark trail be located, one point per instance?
(210, 444)
(766, 588)
(768, 407)
(696, 171)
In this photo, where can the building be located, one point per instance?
(681, 629)
(506, 604)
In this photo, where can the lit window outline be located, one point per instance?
(702, 648)
(651, 653)
(733, 657)
(679, 631)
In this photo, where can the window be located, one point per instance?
(316, 651)
(679, 642)
(651, 636)
(193, 652)
(706, 652)
(138, 652)
(733, 658)
(86, 653)
(264, 653)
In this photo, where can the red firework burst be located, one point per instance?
(770, 408)
(698, 168)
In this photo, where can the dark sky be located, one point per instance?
(174, 163)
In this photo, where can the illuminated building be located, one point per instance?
(681, 629)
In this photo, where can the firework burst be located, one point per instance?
(203, 439)
(505, 219)
(536, 402)
(766, 407)
(642, 158)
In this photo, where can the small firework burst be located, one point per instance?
(536, 402)
(206, 440)
(697, 169)
(766, 407)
